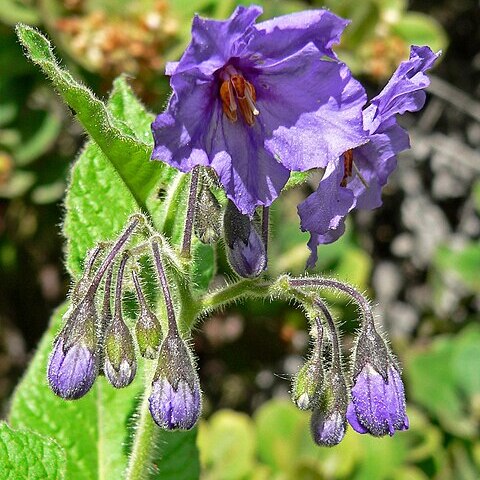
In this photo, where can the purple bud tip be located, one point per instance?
(248, 259)
(71, 372)
(175, 408)
(378, 406)
(123, 376)
(328, 429)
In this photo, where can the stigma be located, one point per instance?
(236, 94)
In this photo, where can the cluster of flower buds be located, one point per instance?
(377, 398)
(245, 237)
(90, 344)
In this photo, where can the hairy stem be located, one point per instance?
(230, 293)
(332, 284)
(172, 324)
(144, 440)
(336, 359)
(117, 246)
(192, 201)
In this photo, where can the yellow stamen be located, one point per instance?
(236, 91)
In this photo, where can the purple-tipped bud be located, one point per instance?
(378, 404)
(120, 364)
(378, 396)
(328, 428)
(245, 249)
(73, 364)
(328, 423)
(175, 401)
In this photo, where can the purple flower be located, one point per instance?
(73, 364)
(356, 179)
(378, 404)
(256, 101)
(175, 401)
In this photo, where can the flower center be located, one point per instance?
(237, 93)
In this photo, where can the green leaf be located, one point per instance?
(421, 29)
(116, 135)
(25, 455)
(99, 201)
(178, 456)
(203, 268)
(465, 263)
(296, 178)
(435, 370)
(228, 445)
(91, 430)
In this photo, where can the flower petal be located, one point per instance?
(179, 132)
(375, 161)
(404, 91)
(369, 399)
(248, 172)
(323, 212)
(396, 400)
(353, 419)
(313, 109)
(214, 42)
(285, 35)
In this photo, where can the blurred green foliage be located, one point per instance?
(38, 140)
(442, 442)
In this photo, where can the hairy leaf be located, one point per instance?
(25, 455)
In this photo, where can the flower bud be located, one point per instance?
(120, 365)
(73, 364)
(149, 334)
(245, 249)
(378, 397)
(208, 222)
(328, 423)
(308, 382)
(175, 401)
(147, 328)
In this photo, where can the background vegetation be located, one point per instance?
(418, 256)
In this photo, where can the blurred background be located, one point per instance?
(418, 256)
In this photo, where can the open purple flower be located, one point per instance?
(255, 101)
(356, 179)
(378, 404)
